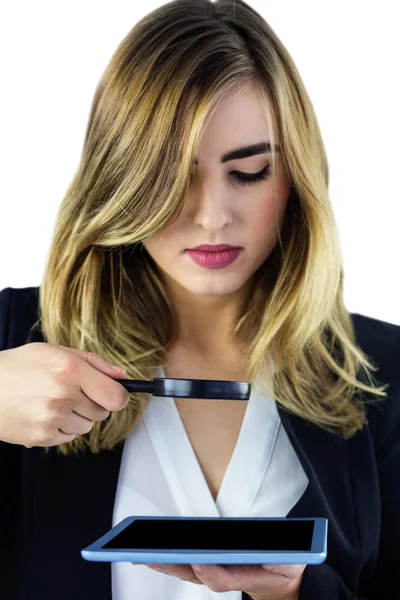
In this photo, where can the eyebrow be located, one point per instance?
(260, 148)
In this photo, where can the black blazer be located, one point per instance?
(52, 506)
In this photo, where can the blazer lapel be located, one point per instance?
(326, 458)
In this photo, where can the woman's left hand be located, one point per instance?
(260, 582)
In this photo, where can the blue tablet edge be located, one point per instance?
(316, 555)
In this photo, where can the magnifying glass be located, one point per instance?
(190, 388)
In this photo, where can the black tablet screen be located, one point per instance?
(218, 534)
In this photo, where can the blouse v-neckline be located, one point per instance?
(246, 468)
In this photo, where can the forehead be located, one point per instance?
(242, 101)
(234, 121)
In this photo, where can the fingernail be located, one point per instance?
(116, 368)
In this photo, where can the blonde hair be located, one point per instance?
(102, 292)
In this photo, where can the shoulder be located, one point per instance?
(18, 297)
(375, 335)
(380, 341)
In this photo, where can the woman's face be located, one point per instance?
(220, 209)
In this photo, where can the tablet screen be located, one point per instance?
(218, 534)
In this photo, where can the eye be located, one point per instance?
(247, 178)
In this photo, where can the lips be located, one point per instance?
(214, 260)
(215, 248)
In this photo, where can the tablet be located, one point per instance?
(212, 540)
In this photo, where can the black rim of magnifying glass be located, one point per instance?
(212, 389)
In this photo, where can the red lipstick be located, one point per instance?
(214, 257)
(217, 248)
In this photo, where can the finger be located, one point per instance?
(251, 578)
(86, 408)
(184, 572)
(76, 425)
(97, 386)
(78, 416)
(228, 578)
(289, 571)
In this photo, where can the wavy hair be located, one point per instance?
(102, 292)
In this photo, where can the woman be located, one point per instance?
(201, 132)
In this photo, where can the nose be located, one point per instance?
(212, 210)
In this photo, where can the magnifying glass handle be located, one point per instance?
(137, 385)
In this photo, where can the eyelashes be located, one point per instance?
(248, 178)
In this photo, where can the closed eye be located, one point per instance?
(248, 178)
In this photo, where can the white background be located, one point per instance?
(53, 54)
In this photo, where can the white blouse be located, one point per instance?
(161, 476)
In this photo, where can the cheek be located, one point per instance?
(268, 218)
(157, 245)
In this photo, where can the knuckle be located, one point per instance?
(55, 410)
(52, 408)
(59, 376)
(69, 365)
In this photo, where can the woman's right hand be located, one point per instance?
(49, 394)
